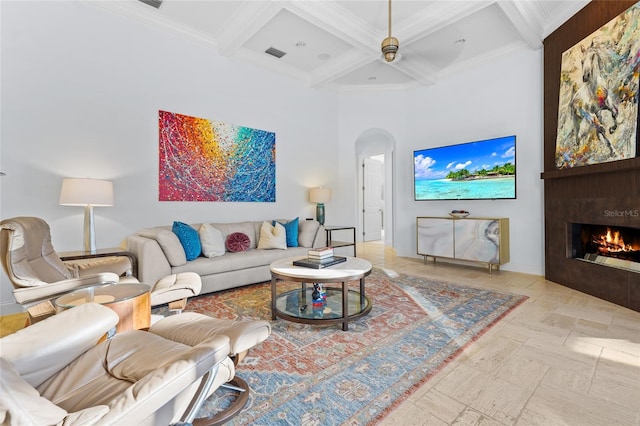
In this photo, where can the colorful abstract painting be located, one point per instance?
(598, 105)
(206, 160)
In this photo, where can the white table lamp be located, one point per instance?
(320, 196)
(89, 193)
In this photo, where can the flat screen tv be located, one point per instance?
(480, 170)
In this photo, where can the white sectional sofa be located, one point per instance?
(160, 252)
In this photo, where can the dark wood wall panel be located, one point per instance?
(585, 194)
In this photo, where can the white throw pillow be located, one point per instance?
(272, 237)
(211, 241)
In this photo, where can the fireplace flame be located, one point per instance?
(612, 242)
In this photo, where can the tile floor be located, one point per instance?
(560, 358)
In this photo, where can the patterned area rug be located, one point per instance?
(321, 375)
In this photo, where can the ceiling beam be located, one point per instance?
(244, 24)
(438, 16)
(417, 68)
(331, 17)
(525, 19)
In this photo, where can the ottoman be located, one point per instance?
(190, 328)
(175, 289)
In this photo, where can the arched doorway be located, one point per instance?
(376, 207)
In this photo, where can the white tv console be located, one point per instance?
(483, 240)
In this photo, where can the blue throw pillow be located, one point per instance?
(189, 239)
(291, 229)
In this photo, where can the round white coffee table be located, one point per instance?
(341, 306)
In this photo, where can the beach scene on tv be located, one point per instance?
(474, 170)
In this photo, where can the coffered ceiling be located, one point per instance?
(335, 44)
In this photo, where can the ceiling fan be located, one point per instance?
(390, 44)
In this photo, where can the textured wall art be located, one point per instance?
(206, 160)
(598, 106)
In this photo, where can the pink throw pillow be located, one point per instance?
(237, 242)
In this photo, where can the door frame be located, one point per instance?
(377, 141)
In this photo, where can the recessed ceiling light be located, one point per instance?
(324, 56)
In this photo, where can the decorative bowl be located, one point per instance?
(460, 214)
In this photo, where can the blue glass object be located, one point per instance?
(320, 213)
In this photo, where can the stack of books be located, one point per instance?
(320, 253)
(319, 258)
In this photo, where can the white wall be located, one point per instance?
(81, 89)
(359, 113)
(497, 99)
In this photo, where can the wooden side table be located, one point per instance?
(132, 303)
(81, 254)
(13, 319)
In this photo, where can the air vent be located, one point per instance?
(154, 3)
(275, 52)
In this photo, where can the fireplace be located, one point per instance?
(585, 232)
(604, 194)
(614, 246)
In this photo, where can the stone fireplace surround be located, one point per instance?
(601, 194)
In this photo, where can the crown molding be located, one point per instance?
(141, 12)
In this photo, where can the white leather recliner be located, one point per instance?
(39, 275)
(56, 373)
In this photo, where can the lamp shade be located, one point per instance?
(86, 192)
(319, 195)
